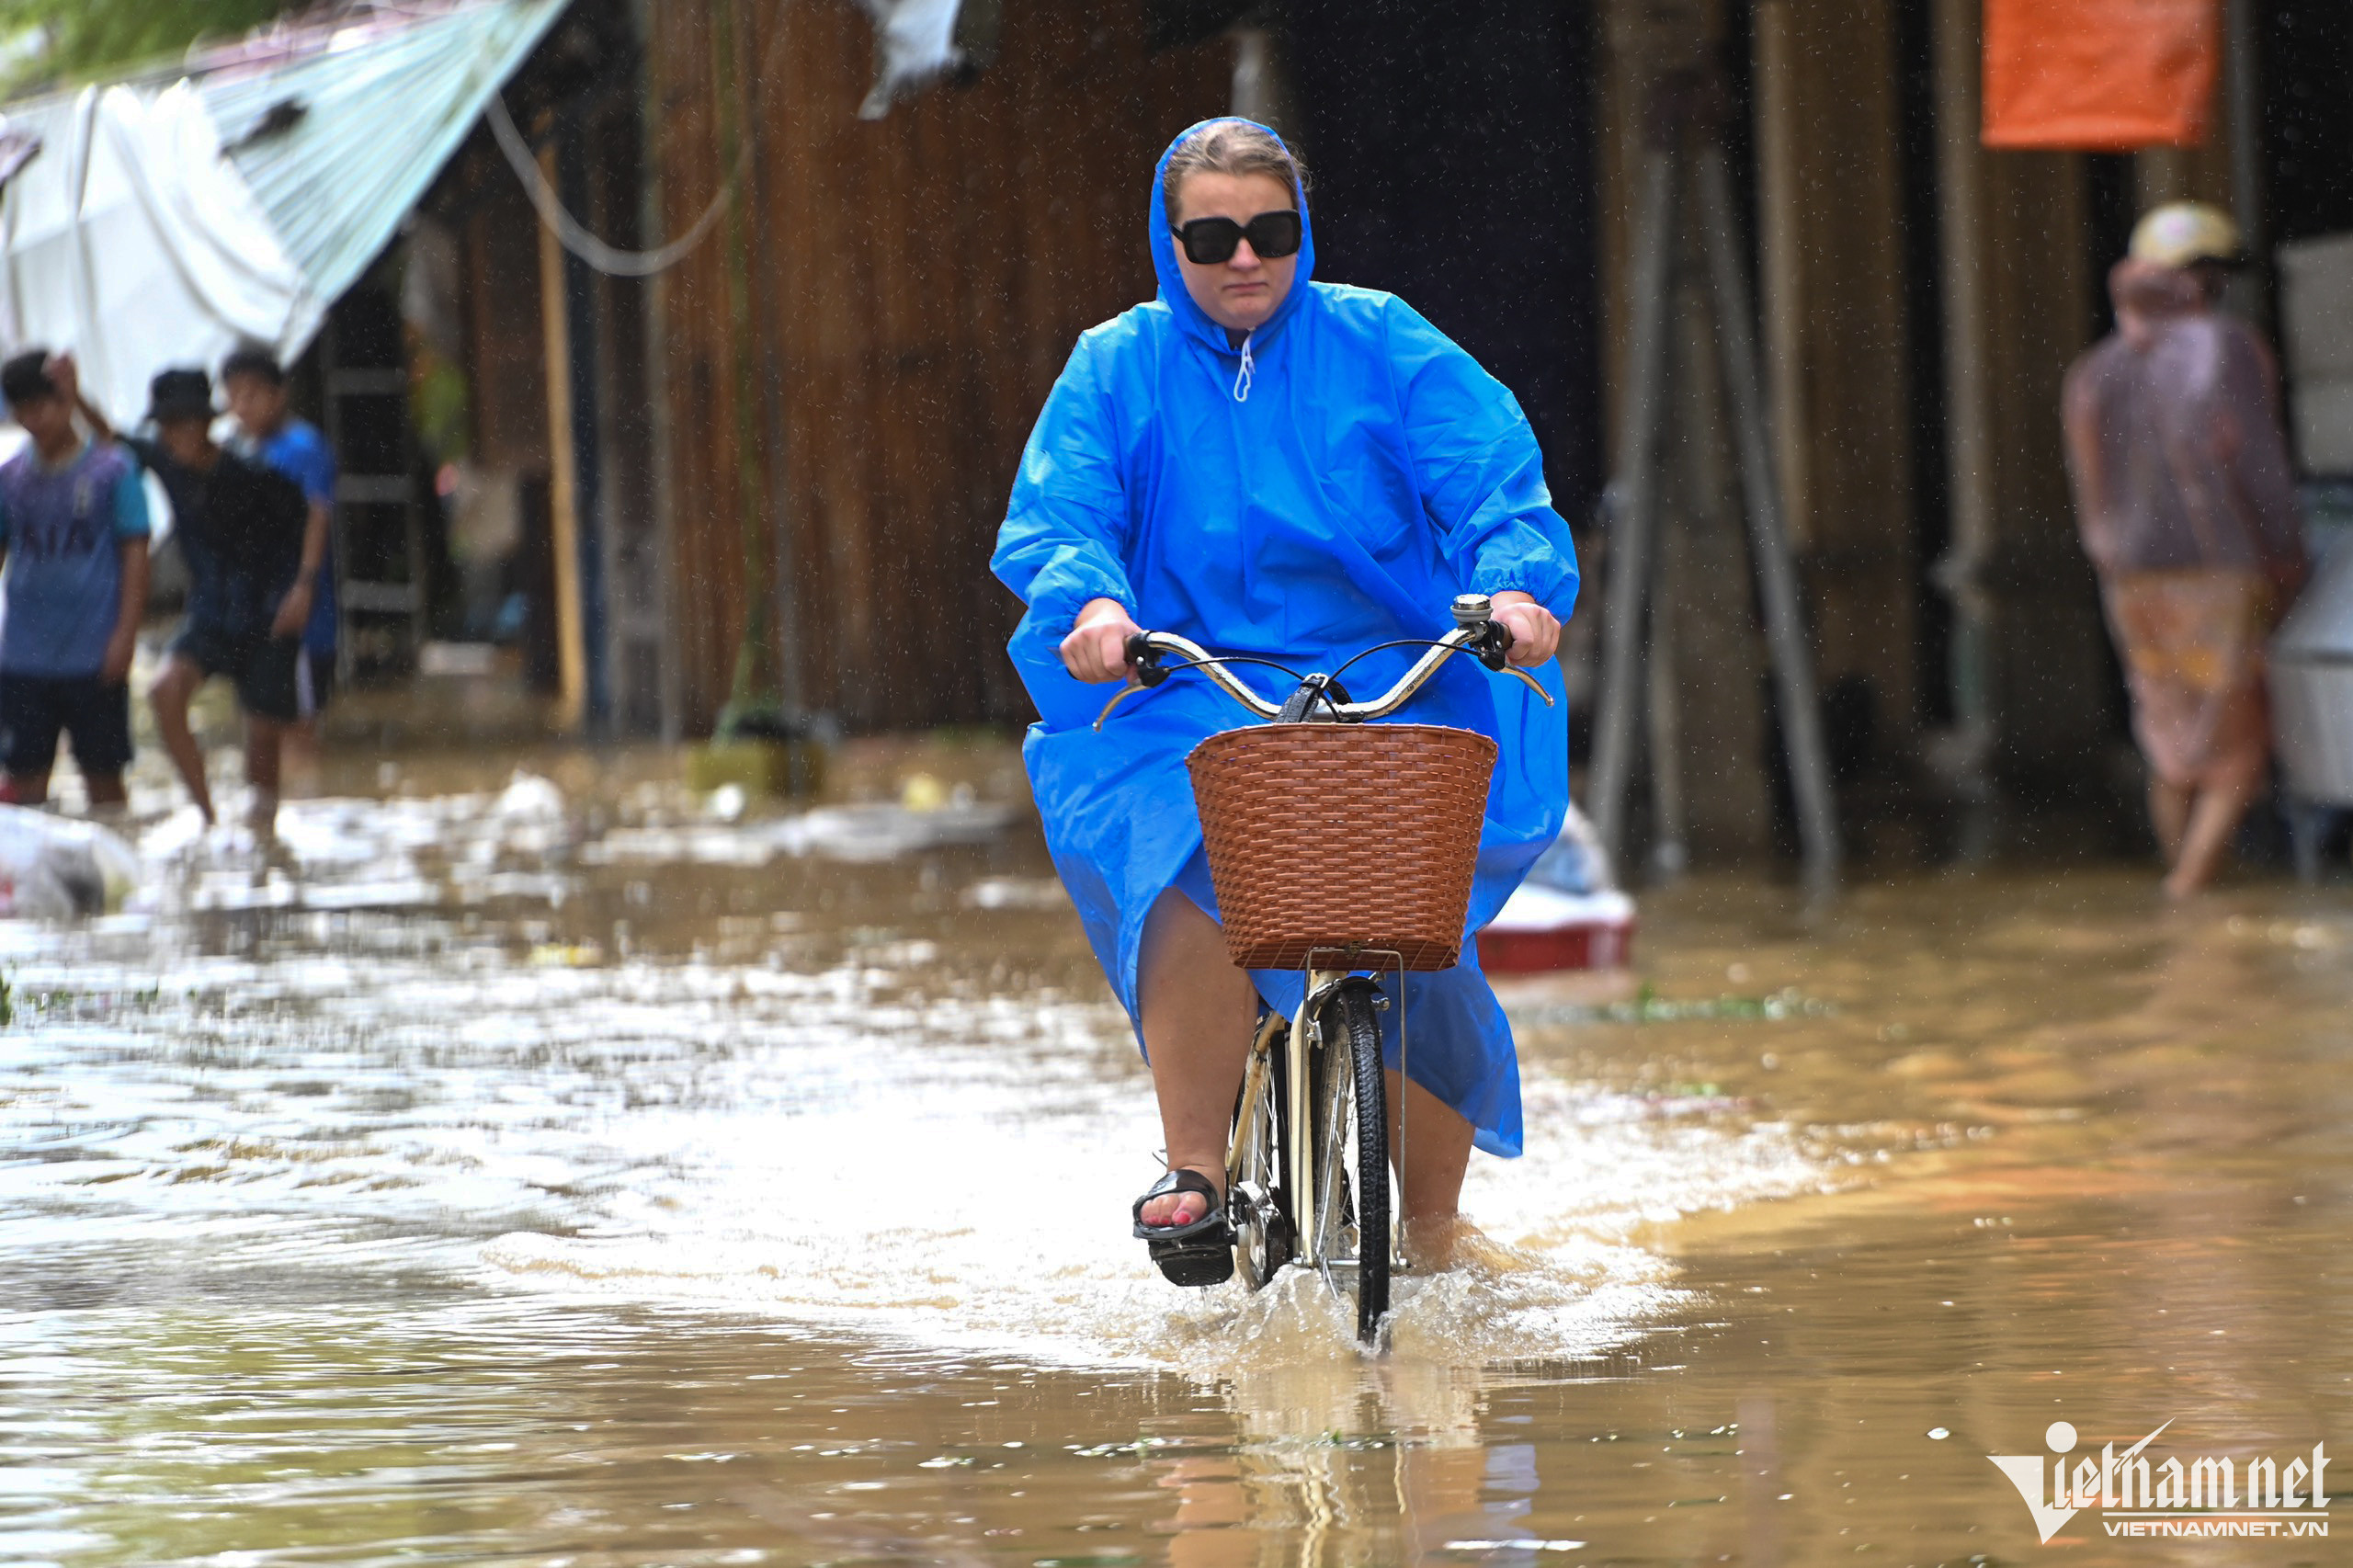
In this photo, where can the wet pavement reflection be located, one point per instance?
(536, 1165)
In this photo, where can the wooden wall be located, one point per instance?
(851, 363)
(1837, 340)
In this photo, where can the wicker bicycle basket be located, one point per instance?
(1328, 838)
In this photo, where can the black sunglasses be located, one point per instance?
(1208, 241)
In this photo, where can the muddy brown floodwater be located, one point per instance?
(562, 1176)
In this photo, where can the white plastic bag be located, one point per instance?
(54, 867)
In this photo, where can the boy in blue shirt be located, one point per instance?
(73, 531)
(270, 433)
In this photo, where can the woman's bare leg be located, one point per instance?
(1198, 1012)
(2169, 814)
(2213, 820)
(1430, 1168)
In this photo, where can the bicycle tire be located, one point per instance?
(1361, 1031)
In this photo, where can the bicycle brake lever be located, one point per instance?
(1493, 648)
(1531, 682)
(1127, 691)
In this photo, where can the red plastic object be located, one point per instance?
(1586, 944)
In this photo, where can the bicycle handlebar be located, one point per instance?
(1475, 632)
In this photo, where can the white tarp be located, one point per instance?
(130, 240)
(134, 239)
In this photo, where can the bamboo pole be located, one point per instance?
(1780, 260)
(766, 312)
(652, 220)
(731, 107)
(563, 487)
(1669, 854)
(2243, 110)
(1970, 463)
(1777, 579)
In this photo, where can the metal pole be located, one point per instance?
(1637, 486)
(1777, 581)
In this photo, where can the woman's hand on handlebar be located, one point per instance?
(1535, 630)
(1096, 649)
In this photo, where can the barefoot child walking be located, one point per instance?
(253, 548)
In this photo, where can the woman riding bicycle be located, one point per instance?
(1294, 471)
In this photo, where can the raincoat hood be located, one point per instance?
(1173, 292)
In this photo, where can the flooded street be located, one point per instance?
(557, 1173)
(596, 491)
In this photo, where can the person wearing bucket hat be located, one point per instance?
(179, 397)
(242, 531)
(2186, 234)
(1277, 466)
(2185, 500)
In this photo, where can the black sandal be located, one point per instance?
(1198, 1253)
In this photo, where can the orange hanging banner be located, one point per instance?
(2100, 75)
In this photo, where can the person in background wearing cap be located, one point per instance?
(242, 526)
(269, 432)
(2186, 501)
(73, 531)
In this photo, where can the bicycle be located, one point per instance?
(1307, 1164)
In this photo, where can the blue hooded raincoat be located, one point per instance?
(1331, 483)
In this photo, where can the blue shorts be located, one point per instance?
(35, 710)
